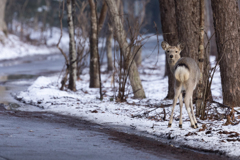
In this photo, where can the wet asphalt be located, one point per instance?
(38, 136)
(49, 136)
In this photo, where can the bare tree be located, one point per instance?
(44, 20)
(36, 18)
(109, 40)
(124, 48)
(170, 35)
(109, 35)
(109, 46)
(72, 46)
(3, 26)
(94, 70)
(22, 8)
(200, 89)
(82, 35)
(226, 24)
(102, 16)
(212, 48)
(136, 12)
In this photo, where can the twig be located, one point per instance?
(209, 39)
(64, 79)
(61, 26)
(98, 57)
(155, 25)
(225, 106)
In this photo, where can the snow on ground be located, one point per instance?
(12, 47)
(143, 115)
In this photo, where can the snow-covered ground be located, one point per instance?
(12, 47)
(150, 115)
(143, 115)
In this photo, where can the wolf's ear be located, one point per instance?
(180, 46)
(165, 45)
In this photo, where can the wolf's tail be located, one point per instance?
(181, 73)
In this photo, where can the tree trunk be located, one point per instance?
(72, 46)
(109, 36)
(170, 35)
(36, 18)
(226, 23)
(109, 47)
(3, 26)
(44, 22)
(137, 51)
(121, 38)
(109, 40)
(212, 46)
(102, 16)
(200, 89)
(188, 20)
(94, 71)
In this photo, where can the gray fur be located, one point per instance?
(174, 61)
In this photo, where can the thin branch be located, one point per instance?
(225, 106)
(61, 27)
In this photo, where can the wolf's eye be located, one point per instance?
(176, 51)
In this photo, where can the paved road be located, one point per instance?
(29, 136)
(41, 135)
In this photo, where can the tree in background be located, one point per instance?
(72, 46)
(135, 12)
(200, 104)
(170, 35)
(109, 40)
(152, 17)
(3, 26)
(82, 36)
(226, 24)
(124, 48)
(40, 15)
(94, 70)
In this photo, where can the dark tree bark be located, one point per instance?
(102, 16)
(226, 23)
(109, 40)
(94, 70)
(200, 89)
(109, 36)
(36, 18)
(137, 51)
(122, 41)
(22, 9)
(188, 20)
(109, 47)
(170, 35)
(72, 46)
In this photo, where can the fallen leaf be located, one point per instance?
(94, 111)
